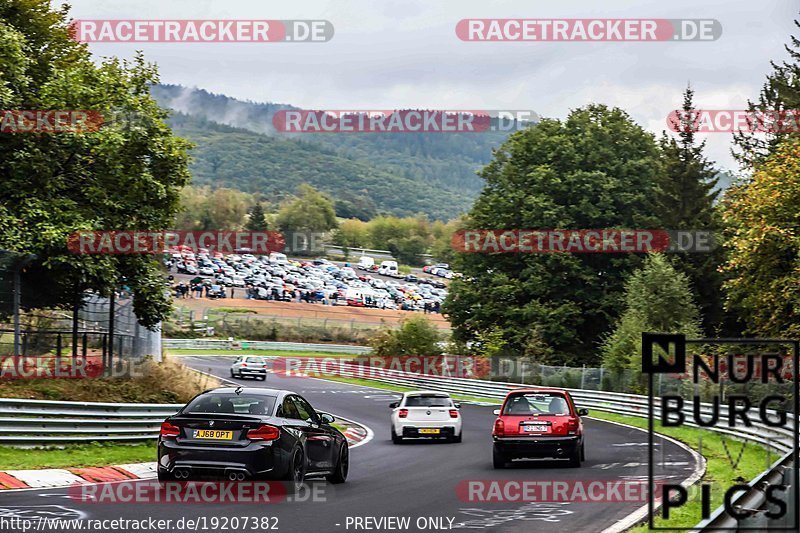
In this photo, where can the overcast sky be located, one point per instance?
(389, 54)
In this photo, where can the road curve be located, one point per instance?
(412, 480)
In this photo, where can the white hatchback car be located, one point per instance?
(426, 414)
(249, 366)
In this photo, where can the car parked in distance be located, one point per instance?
(426, 414)
(538, 423)
(251, 433)
(249, 366)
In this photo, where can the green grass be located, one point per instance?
(720, 474)
(231, 310)
(76, 455)
(248, 351)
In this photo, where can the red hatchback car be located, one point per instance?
(538, 423)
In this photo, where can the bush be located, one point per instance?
(554, 380)
(415, 336)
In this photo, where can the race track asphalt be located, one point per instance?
(409, 480)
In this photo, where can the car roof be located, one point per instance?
(250, 390)
(537, 391)
(420, 392)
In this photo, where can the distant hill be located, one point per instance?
(252, 162)
(402, 173)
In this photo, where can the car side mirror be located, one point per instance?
(583, 412)
(325, 418)
(457, 405)
(496, 412)
(394, 405)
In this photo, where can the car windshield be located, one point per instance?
(553, 404)
(428, 400)
(231, 403)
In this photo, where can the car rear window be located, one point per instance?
(428, 400)
(548, 403)
(231, 403)
(256, 360)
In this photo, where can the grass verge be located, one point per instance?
(76, 455)
(721, 454)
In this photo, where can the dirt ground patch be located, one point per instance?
(305, 310)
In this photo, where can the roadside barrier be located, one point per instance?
(222, 344)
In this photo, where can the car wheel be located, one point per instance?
(457, 438)
(342, 467)
(575, 458)
(297, 470)
(263, 378)
(498, 459)
(583, 452)
(232, 374)
(395, 438)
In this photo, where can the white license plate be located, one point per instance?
(538, 428)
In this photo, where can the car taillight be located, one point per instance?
(169, 430)
(402, 413)
(264, 432)
(499, 427)
(453, 413)
(244, 364)
(572, 424)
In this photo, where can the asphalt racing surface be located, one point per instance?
(410, 480)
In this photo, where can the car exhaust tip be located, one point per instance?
(233, 476)
(240, 477)
(181, 473)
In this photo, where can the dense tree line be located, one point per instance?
(598, 169)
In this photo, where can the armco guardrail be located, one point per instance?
(221, 344)
(42, 422)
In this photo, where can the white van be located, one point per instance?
(365, 263)
(388, 268)
(279, 258)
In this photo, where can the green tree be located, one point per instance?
(781, 92)
(763, 245)
(256, 220)
(352, 234)
(416, 336)
(657, 298)
(127, 175)
(310, 211)
(596, 170)
(686, 202)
